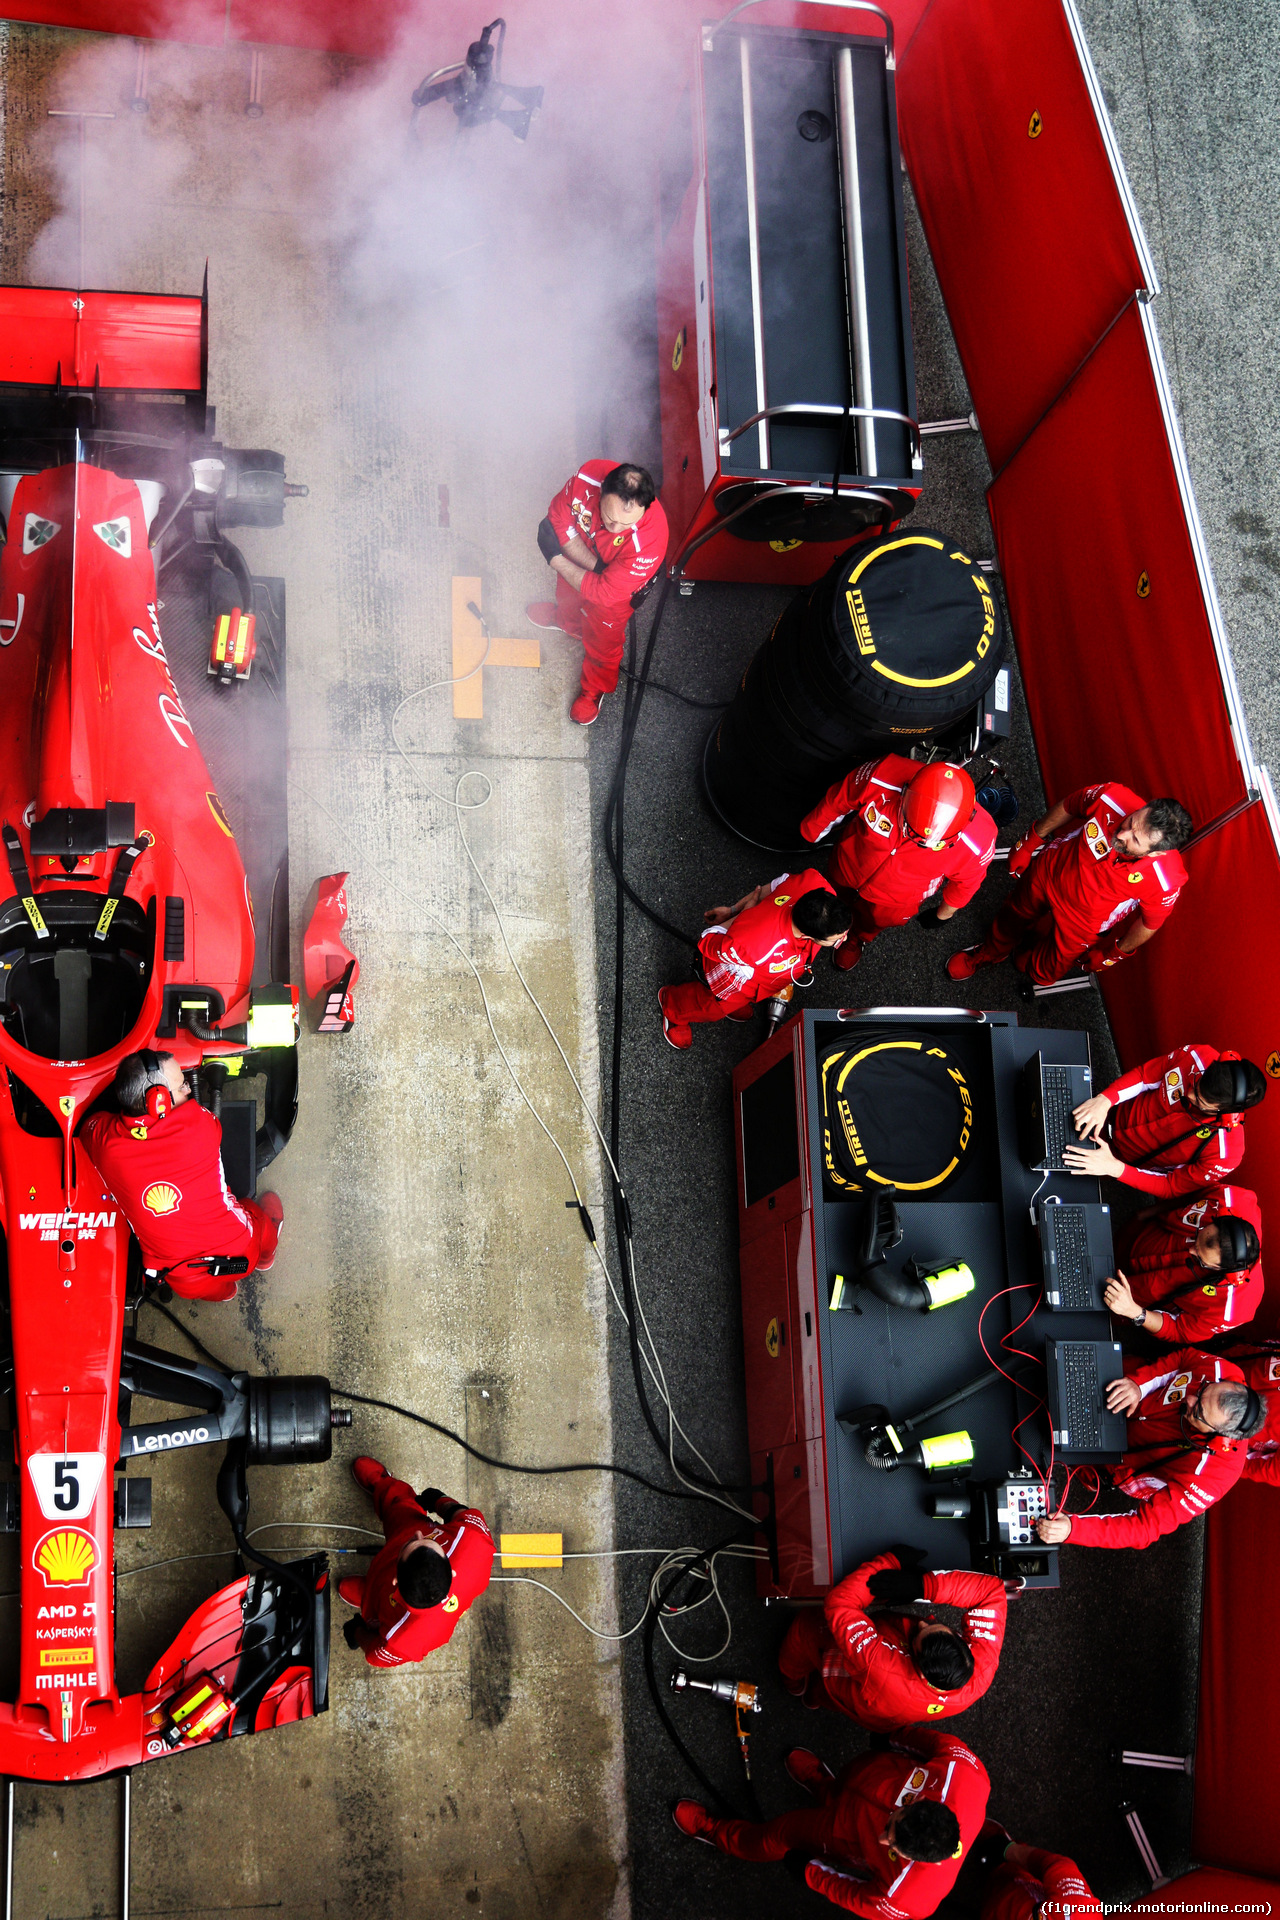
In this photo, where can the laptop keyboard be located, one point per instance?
(1073, 1269)
(1059, 1128)
(1082, 1394)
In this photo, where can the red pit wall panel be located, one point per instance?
(1120, 684)
(1230, 1892)
(1237, 1761)
(1030, 237)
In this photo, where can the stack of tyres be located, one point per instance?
(898, 640)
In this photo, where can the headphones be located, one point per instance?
(1242, 1096)
(159, 1100)
(1233, 1254)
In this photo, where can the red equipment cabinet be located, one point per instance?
(807, 1365)
(784, 339)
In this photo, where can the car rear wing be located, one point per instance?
(64, 341)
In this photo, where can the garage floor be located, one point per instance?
(434, 336)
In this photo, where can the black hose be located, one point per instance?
(895, 1289)
(420, 1419)
(708, 1785)
(685, 699)
(614, 828)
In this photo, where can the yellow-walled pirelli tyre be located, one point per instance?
(896, 1112)
(898, 641)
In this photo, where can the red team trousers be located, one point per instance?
(602, 631)
(1027, 921)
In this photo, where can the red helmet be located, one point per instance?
(938, 803)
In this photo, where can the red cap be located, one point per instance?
(938, 803)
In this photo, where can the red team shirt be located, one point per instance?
(873, 1676)
(889, 870)
(1148, 1122)
(860, 1875)
(167, 1176)
(1262, 1371)
(1174, 1476)
(1092, 890)
(1196, 1304)
(1018, 1893)
(403, 1634)
(759, 953)
(630, 558)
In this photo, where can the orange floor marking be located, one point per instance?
(468, 650)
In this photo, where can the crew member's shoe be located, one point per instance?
(273, 1206)
(847, 955)
(676, 1033)
(544, 614)
(693, 1821)
(351, 1589)
(963, 965)
(808, 1771)
(586, 708)
(366, 1471)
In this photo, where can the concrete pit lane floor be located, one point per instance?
(433, 377)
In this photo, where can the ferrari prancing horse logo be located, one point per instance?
(772, 1338)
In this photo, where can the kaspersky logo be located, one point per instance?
(160, 1197)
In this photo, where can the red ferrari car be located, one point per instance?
(129, 922)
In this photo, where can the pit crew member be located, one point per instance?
(1192, 1270)
(909, 839)
(437, 1560)
(1172, 1125)
(1018, 1880)
(1190, 1415)
(888, 1833)
(604, 537)
(888, 1669)
(751, 950)
(1097, 876)
(161, 1156)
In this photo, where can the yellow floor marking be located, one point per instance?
(468, 649)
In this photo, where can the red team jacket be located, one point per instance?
(1093, 890)
(1195, 1304)
(1018, 1893)
(1262, 1372)
(887, 1690)
(1148, 1121)
(403, 1634)
(889, 870)
(630, 558)
(1174, 1476)
(868, 1878)
(759, 953)
(167, 1175)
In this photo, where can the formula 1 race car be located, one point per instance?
(128, 922)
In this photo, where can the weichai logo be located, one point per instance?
(49, 1226)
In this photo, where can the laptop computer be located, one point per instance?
(1084, 1428)
(1048, 1096)
(1077, 1255)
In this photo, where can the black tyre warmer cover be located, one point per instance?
(896, 1111)
(897, 641)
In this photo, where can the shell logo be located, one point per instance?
(66, 1557)
(160, 1197)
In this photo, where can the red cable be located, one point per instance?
(1046, 1480)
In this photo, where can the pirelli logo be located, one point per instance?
(861, 624)
(67, 1656)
